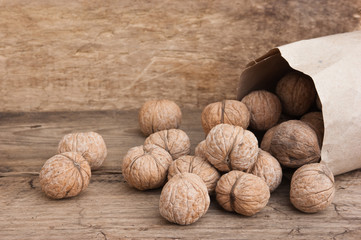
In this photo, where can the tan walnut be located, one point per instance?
(146, 167)
(231, 147)
(294, 144)
(312, 188)
(90, 144)
(157, 115)
(232, 112)
(265, 109)
(242, 192)
(315, 121)
(174, 141)
(65, 175)
(267, 138)
(196, 165)
(200, 149)
(184, 199)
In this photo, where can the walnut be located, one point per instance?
(196, 165)
(267, 138)
(231, 148)
(200, 149)
(65, 175)
(184, 199)
(90, 144)
(146, 167)
(294, 144)
(228, 111)
(265, 109)
(312, 188)
(157, 115)
(242, 192)
(297, 93)
(268, 169)
(315, 121)
(174, 141)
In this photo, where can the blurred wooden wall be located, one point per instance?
(101, 55)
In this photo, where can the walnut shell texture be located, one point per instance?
(294, 144)
(200, 149)
(231, 147)
(174, 141)
(184, 199)
(315, 121)
(265, 109)
(158, 115)
(242, 192)
(146, 167)
(297, 93)
(196, 165)
(267, 138)
(312, 188)
(268, 169)
(232, 112)
(90, 144)
(65, 175)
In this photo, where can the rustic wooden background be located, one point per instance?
(101, 55)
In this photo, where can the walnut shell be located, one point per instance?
(158, 115)
(228, 111)
(294, 144)
(65, 175)
(267, 138)
(268, 169)
(243, 193)
(90, 144)
(196, 165)
(174, 141)
(312, 188)
(184, 199)
(146, 167)
(265, 109)
(315, 121)
(231, 148)
(200, 149)
(297, 93)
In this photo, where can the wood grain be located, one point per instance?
(104, 55)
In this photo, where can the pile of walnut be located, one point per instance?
(229, 162)
(68, 173)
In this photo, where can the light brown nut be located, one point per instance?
(268, 169)
(184, 199)
(231, 148)
(200, 149)
(315, 121)
(146, 167)
(90, 144)
(267, 138)
(174, 141)
(294, 144)
(158, 115)
(65, 175)
(196, 165)
(232, 112)
(243, 193)
(265, 109)
(312, 188)
(297, 93)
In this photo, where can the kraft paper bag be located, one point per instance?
(334, 64)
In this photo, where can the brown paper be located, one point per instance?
(334, 63)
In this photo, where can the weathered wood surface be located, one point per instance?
(102, 55)
(110, 209)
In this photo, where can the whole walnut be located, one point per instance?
(312, 188)
(265, 109)
(174, 141)
(315, 121)
(268, 169)
(184, 199)
(157, 115)
(231, 147)
(146, 167)
(65, 175)
(200, 149)
(294, 144)
(267, 138)
(228, 111)
(242, 192)
(297, 93)
(196, 165)
(90, 144)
